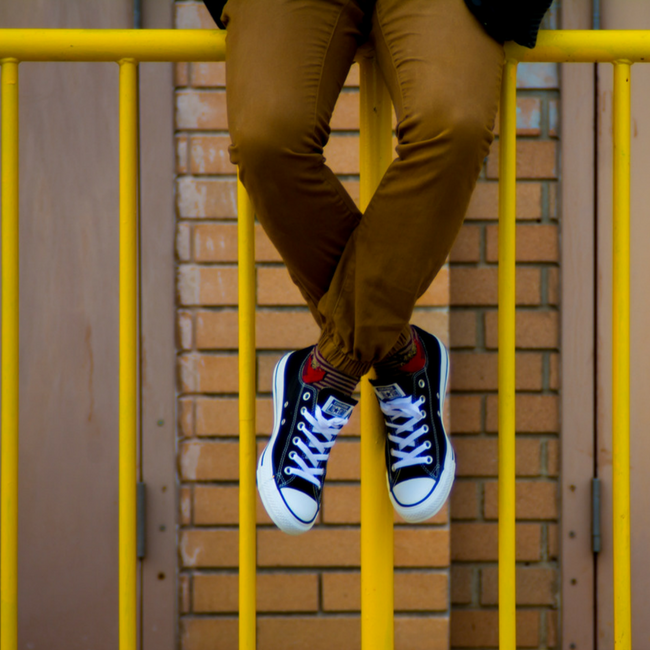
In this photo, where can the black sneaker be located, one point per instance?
(420, 461)
(291, 469)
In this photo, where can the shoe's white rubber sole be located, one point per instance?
(434, 502)
(272, 500)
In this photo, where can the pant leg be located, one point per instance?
(443, 73)
(287, 61)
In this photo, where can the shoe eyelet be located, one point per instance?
(301, 426)
(438, 413)
(292, 455)
(429, 460)
(295, 440)
(287, 470)
(427, 445)
(305, 396)
(286, 404)
(438, 395)
(421, 383)
(425, 428)
(283, 422)
(423, 413)
(392, 468)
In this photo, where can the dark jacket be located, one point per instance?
(504, 20)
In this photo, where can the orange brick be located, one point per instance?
(551, 629)
(203, 373)
(462, 329)
(209, 548)
(478, 286)
(322, 547)
(437, 295)
(421, 633)
(552, 458)
(464, 500)
(217, 242)
(183, 242)
(534, 500)
(346, 112)
(413, 592)
(202, 110)
(534, 329)
(461, 584)
(297, 592)
(465, 413)
(200, 633)
(421, 547)
(345, 461)
(275, 287)
(181, 74)
(478, 371)
(265, 365)
(205, 461)
(478, 542)
(208, 74)
(535, 586)
(182, 161)
(216, 504)
(315, 633)
(220, 416)
(353, 188)
(533, 413)
(478, 629)
(353, 76)
(535, 243)
(535, 159)
(479, 457)
(185, 504)
(206, 198)
(186, 417)
(485, 201)
(209, 155)
(434, 321)
(184, 330)
(467, 247)
(184, 593)
(341, 504)
(554, 372)
(192, 15)
(342, 154)
(212, 285)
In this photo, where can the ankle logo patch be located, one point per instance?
(387, 393)
(336, 408)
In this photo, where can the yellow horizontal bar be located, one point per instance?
(585, 46)
(113, 44)
(561, 46)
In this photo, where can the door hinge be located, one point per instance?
(141, 508)
(595, 515)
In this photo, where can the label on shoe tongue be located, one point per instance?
(387, 393)
(336, 408)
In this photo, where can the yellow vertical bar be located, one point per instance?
(247, 447)
(621, 358)
(10, 321)
(128, 353)
(377, 629)
(507, 221)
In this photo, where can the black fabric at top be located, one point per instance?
(504, 20)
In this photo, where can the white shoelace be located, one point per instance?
(314, 451)
(405, 435)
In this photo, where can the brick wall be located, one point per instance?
(309, 586)
(473, 336)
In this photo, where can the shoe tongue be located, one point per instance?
(389, 392)
(335, 404)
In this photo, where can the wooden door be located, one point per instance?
(68, 543)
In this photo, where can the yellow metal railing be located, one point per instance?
(128, 47)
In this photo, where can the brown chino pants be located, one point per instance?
(360, 274)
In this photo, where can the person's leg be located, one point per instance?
(443, 73)
(287, 61)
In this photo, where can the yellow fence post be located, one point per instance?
(506, 318)
(621, 358)
(128, 353)
(376, 510)
(10, 321)
(247, 446)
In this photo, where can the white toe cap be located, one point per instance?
(302, 506)
(411, 492)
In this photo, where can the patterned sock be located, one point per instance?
(408, 359)
(321, 374)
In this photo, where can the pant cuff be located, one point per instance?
(341, 361)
